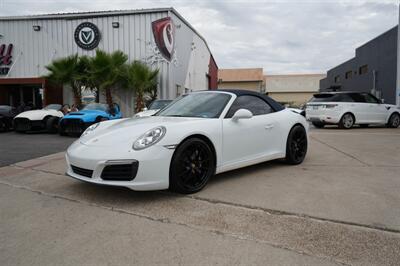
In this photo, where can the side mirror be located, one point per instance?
(242, 114)
(144, 109)
(382, 100)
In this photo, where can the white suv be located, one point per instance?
(348, 108)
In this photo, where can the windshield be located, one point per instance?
(159, 104)
(205, 105)
(96, 106)
(53, 107)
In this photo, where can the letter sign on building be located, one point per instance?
(87, 36)
(5, 58)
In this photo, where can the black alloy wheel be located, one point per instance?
(394, 121)
(192, 166)
(296, 147)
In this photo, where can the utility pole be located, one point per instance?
(398, 64)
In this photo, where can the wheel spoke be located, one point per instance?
(194, 165)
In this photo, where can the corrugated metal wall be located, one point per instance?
(33, 50)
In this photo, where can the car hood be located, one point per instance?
(39, 114)
(85, 114)
(110, 133)
(146, 113)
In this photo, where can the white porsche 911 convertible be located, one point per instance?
(184, 145)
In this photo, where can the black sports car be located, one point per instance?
(7, 114)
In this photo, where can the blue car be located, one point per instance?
(75, 123)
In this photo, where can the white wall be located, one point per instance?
(293, 83)
(34, 50)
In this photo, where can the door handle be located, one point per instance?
(269, 126)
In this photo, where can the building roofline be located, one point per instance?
(360, 47)
(290, 75)
(377, 37)
(94, 14)
(89, 14)
(244, 68)
(176, 13)
(239, 81)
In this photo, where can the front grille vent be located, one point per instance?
(72, 126)
(120, 172)
(82, 171)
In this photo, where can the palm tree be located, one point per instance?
(72, 71)
(107, 71)
(141, 79)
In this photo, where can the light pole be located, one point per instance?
(398, 64)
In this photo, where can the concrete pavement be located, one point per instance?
(339, 207)
(17, 147)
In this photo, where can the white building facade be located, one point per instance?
(159, 37)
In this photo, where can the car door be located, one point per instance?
(359, 108)
(251, 138)
(376, 110)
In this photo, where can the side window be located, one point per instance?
(370, 99)
(254, 104)
(357, 97)
(344, 97)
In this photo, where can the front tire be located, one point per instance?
(192, 165)
(296, 145)
(347, 121)
(394, 121)
(51, 124)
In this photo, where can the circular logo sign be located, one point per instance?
(87, 36)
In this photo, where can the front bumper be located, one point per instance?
(74, 126)
(25, 124)
(152, 171)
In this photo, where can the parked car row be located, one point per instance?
(347, 109)
(59, 118)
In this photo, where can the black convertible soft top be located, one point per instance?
(276, 106)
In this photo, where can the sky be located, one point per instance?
(282, 37)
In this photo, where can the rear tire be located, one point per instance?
(394, 121)
(347, 121)
(318, 124)
(51, 124)
(296, 145)
(192, 165)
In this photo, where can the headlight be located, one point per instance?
(149, 138)
(90, 129)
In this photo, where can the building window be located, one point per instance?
(178, 90)
(337, 79)
(363, 69)
(349, 74)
